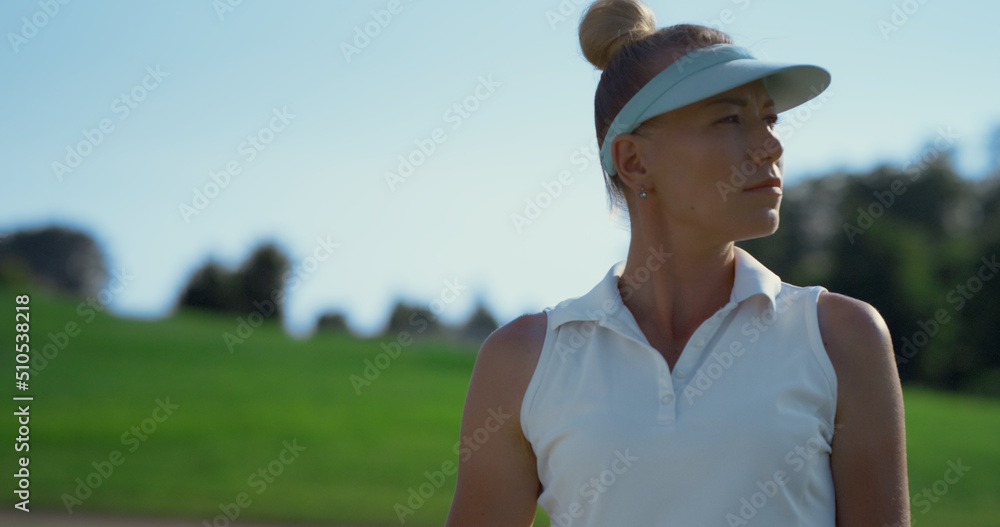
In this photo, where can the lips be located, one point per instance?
(769, 185)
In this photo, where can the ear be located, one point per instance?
(626, 150)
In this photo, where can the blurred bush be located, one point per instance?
(258, 285)
(60, 258)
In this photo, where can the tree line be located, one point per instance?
(72, 263)
(919, 243)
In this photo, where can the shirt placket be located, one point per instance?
(671, 384)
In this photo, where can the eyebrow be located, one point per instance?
(737, 101)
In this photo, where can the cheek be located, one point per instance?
(702, 165)
(692, 164)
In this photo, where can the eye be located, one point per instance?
(771, 120)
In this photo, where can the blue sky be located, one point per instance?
(309, 117)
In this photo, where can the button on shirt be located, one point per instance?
(739, 433)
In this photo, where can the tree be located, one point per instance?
(413, 319)
(261, 278)
(253, 287)
(479, 325)
(332, 323)
(209, 288)
(64, 259)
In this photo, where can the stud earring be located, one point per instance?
(642, 193)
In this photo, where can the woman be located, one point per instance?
(691, 386)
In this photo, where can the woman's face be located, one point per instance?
(715, 165)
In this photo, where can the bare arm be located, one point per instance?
(869, 443)
(497, 476)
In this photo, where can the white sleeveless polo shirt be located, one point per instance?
(739, 433)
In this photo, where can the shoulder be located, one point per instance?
(846, 320)
(859, 345)
(519, 338)
(512, 351)
(508, 357)
(850, 326)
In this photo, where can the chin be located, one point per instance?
(759, 226)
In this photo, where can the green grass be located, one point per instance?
(943, 428)
(362, 452)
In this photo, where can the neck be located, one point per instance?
(675, 279)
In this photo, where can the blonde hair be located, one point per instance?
(620, 37)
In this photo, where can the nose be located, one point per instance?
(766, 147)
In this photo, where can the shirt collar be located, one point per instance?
(604, 304)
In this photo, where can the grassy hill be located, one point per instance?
(276, 430)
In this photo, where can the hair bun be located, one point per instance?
(609, 25)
